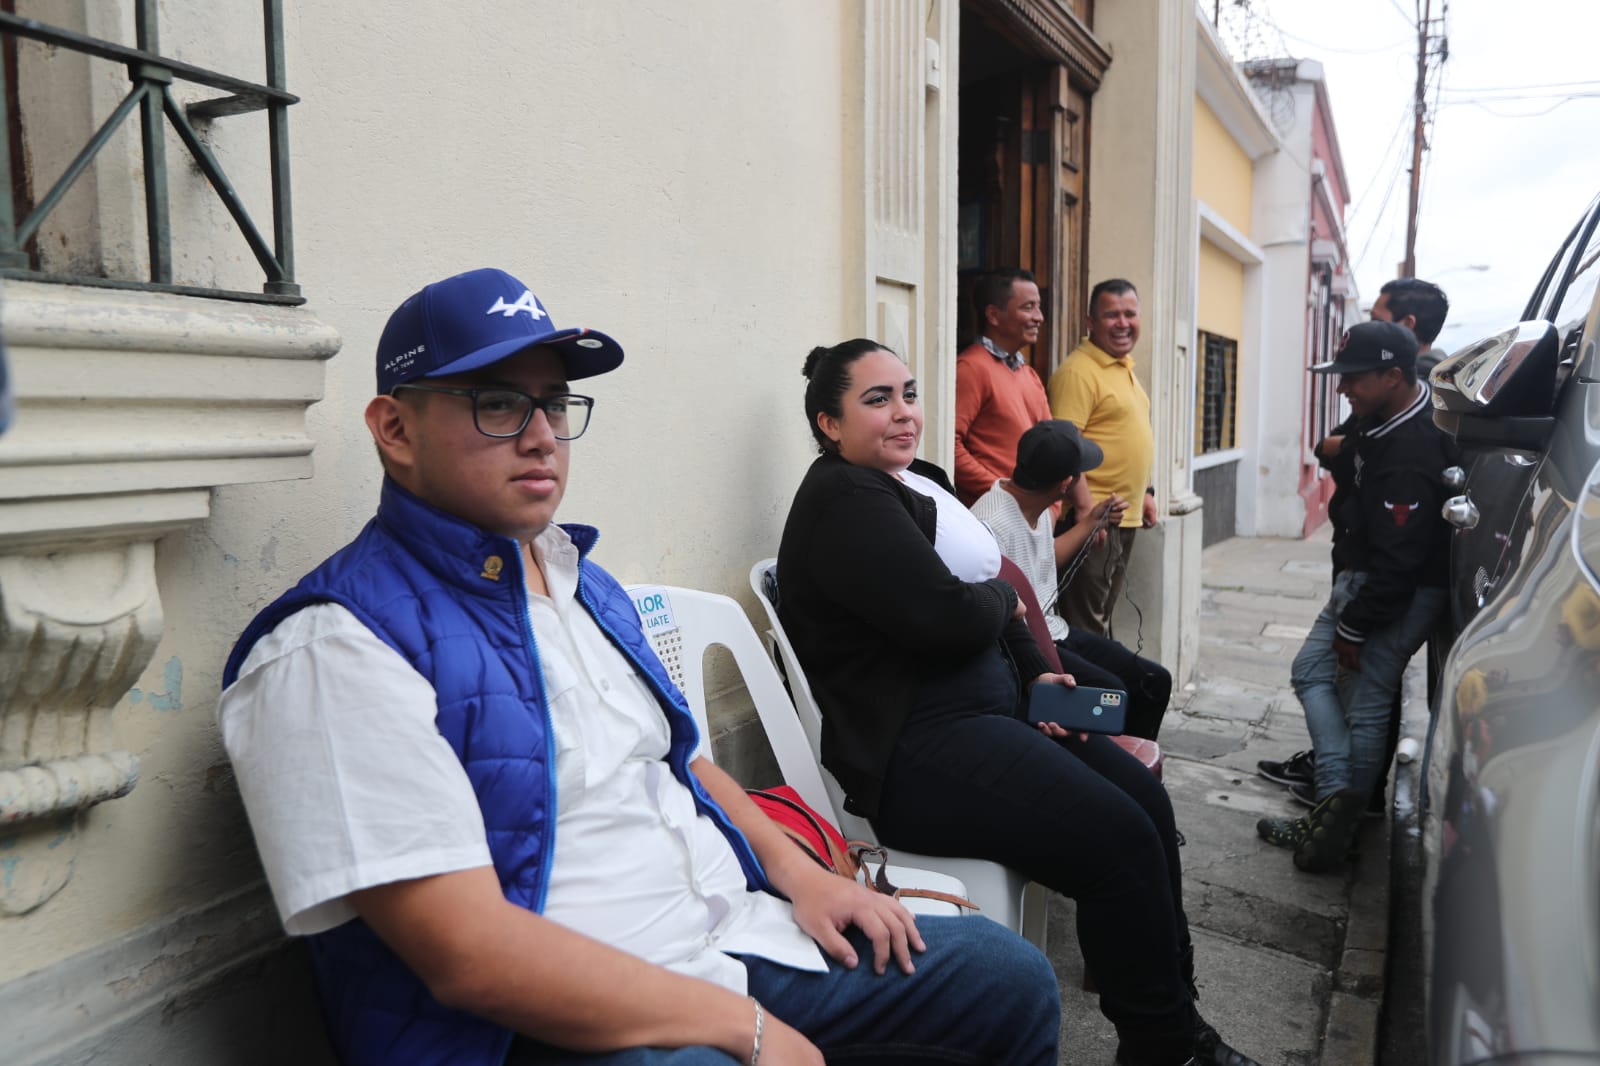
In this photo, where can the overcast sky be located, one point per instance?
(1504, 182)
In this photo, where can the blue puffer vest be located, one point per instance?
(450, 599)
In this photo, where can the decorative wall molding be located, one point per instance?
(131, 408)
(1055, 30)
(44, 1012)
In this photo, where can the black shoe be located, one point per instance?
(1298, 769)
(1305, 795)
(1209, 1050)
(1332, 824)
(1284, 832)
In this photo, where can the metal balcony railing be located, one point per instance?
(152, 75)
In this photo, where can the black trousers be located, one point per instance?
(969, 777)
(1101, 662)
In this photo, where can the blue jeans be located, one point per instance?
(1348, 713)
(981, 994)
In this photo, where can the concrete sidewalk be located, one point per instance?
(1290, 965)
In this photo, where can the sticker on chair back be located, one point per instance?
(655, 609)
(660, 628)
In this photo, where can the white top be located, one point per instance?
(1032, 549)
(966, 547)
(373, 794)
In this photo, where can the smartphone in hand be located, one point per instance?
(1081, 710)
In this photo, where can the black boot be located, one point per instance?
(1206, 1048)
(1331, 832)
(1209, 1050)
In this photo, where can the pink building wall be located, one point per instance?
(1327, 274)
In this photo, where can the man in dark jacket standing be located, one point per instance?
(1390, 590)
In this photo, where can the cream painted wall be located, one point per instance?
(673, 173)
(1221, 304)
(1223, 172)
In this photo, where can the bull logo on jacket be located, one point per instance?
(1401, 511)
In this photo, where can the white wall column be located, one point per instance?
(1142, 228)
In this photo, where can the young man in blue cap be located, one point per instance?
(476, 792)
(1391, 557)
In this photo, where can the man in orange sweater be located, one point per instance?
(998, 395)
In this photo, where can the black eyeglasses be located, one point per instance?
(500, 412)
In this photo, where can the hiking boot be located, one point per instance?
(1298, 769)
(1377, 807)
(1284, 832)
(1331, 832)
(1209, 1050)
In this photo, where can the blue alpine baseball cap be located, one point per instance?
(474, 320)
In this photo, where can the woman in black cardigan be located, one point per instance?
(921, 676)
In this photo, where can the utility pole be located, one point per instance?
(1419, 130)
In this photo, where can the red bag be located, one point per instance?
(820, 839)
(814, 833)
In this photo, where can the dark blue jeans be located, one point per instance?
(981, 994)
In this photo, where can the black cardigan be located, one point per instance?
(871, 610)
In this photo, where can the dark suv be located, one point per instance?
(1511, 796)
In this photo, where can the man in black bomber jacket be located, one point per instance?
(1391, 557)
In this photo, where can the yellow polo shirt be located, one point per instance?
(1099, 394)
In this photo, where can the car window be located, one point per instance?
(1553, 288)
(1575, 302)
(1552, 274)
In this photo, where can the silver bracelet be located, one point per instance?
(761, 1022)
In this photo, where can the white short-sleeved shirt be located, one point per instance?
(967, 548)
(349, 785)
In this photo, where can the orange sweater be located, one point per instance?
(995, 405)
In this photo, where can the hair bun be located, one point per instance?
(815, 356)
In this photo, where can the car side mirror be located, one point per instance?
(1516, 434)
(1512, 373)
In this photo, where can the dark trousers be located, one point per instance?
(1089, 602)
(1103, 663)
(968, 777)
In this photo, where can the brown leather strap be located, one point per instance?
(866, 854)
(946, 897)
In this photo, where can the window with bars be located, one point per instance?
(1216, 399)
(152, 99)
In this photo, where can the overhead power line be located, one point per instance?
(1411, 20)
(1395, 139)
(1319, 46)
(1484, 105)
(1590, 83)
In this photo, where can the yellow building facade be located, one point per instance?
(1230, 135)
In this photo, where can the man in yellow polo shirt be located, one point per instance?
(1096, 390)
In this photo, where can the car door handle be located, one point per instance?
(1460, 512)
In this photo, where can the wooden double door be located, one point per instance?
(1024, 157)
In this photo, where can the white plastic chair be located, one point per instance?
(681, 624)
(1005, 895)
